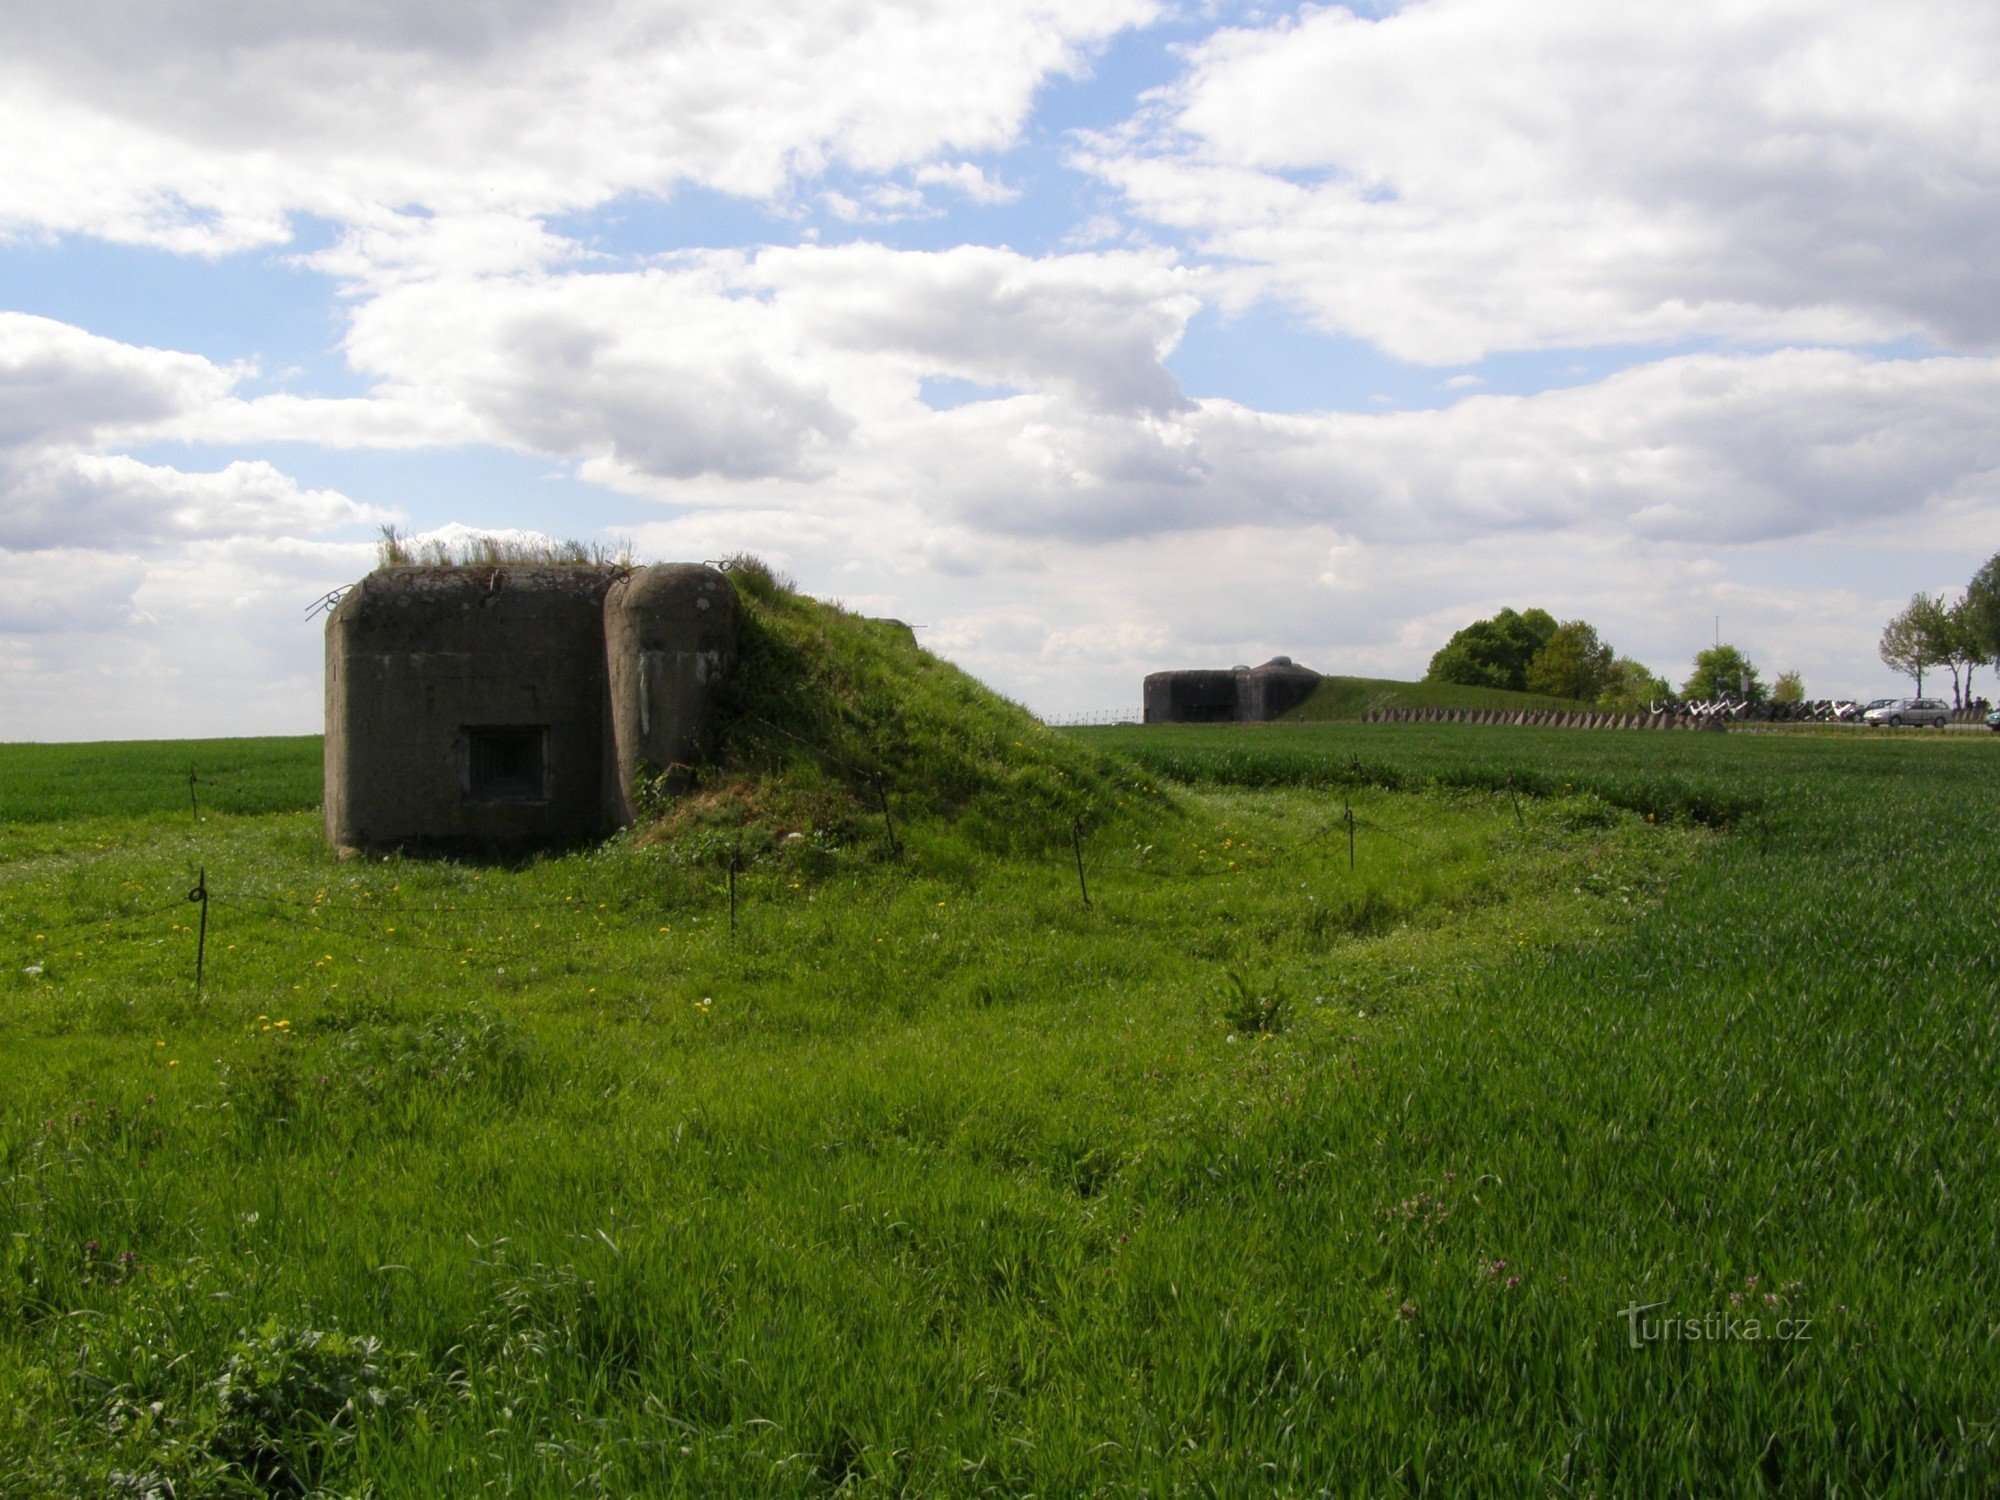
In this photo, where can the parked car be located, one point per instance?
(1932, 711)
(1993, 721)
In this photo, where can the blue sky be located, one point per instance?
(1098, 338)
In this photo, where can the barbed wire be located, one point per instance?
(367, 922)
(1094, 718)
(274, 911)
(577, 903)
(70, 924)
(370, 919)
(1267, 855)
(817, 749)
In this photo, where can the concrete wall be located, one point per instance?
(1198, 697)
(669, 637)
(1240, 695)
(1274, 690)
(420, 662)
(513, 707)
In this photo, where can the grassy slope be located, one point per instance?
(1350, 697)
(822, 701)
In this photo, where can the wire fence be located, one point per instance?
(1094, 717)
(421, 924)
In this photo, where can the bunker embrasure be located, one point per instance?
(516, 705)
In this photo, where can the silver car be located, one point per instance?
(1932, 711)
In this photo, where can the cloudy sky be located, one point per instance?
(1090, 336)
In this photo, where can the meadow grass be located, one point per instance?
(394, 550)
(1259, 1173)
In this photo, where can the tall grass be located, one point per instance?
(1260, 1173)
(486, 550)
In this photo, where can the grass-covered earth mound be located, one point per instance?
(827, 714)
(1351, 697)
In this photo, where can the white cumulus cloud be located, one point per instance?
(133, 593)
(203, 125)
(1462, 176)
(744, 367)
(69, 398)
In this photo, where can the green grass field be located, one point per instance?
(1259, 1173)
(1351, 697)
(69, 783)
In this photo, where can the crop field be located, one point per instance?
(72, 783)
(1613, 1115)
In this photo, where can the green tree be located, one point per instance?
(1789, 688)
(1632, 686)
(1723, 669)
(1917, 639)
(1494, 652)
(1965, 647)
(1982, 610)
(1572, 663)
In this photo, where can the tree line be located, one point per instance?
(1929, 633)
(1529, 651)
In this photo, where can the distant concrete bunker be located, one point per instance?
(513, 706)
(1238, 695)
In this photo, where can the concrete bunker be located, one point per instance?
(516, 706)
(1238, 695)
